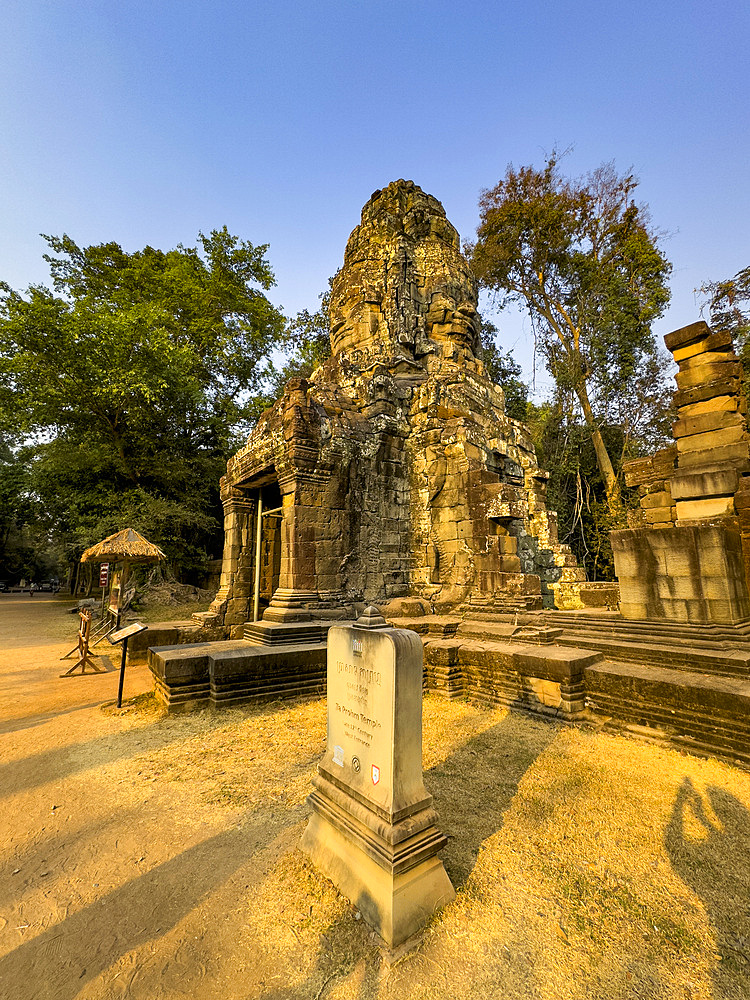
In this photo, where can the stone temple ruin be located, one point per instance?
(394, 476)
(394, 469)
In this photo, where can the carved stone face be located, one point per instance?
(404, 279)
(447, 320)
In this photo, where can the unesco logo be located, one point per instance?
(357, 647)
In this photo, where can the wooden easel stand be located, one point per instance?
(84, 654)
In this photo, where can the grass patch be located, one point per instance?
(587, 866)
(146, 704)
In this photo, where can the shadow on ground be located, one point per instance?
(473, 787)
(56, 964)
(710, 856)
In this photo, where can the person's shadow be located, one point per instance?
(711, 858)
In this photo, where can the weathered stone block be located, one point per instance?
(688, 510)
(721, 438)
(735, 453)
(718, 387)
(638, 471)
(688, 553)
(711, 421)
(708, 482)
(708, 357)
(687, 335)
(655, 500)
(658, 515)
(723, 403)
(712, 341)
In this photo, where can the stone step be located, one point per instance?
(682, 659)
(609, 621)
(701, 714)
(724, 654)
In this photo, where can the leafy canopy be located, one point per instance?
(729, 307)
(308, 339)
(133, 379)
(581, 257)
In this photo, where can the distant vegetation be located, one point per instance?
(123, 391)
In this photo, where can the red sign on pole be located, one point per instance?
(103, 574)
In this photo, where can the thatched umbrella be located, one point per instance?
(126, 547)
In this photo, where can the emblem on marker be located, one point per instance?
(375, 774)
(338, 756)
(356, 764)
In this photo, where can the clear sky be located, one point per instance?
(144, 123)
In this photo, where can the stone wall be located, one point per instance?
(686, 554)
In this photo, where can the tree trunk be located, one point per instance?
(606, 469)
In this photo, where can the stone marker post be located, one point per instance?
(372, 831)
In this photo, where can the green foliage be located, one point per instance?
(729, 305)
(504, 371)
(729, 309)
(131, 382)
(308, 338)
(576, 489)
(581, 257)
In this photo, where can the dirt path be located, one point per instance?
(99, 860)
(154, 858)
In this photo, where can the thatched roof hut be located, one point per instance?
(126, 546)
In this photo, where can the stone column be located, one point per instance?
(297, 588)
(230, 606)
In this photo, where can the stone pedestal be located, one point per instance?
(373, 829)
(686, 573)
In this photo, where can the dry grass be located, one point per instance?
(159, 853)
(587, 865)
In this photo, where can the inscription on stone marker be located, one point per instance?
(372, 829)
(360, 711)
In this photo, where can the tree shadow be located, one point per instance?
(348, 951)
(62, 762)
(57, 963)
(711, 859)
(472, 788)
(31, 721)
(475, 784)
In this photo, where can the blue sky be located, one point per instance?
(144, 123)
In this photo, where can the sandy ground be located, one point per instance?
(150, 857)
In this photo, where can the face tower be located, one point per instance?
(393, 473)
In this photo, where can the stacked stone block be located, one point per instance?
(685, 556)
(652, 476)
(711, 430)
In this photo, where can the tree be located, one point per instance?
(582, 258)
(308, 338)
(504, 370)
(132, 381)
(729, 308)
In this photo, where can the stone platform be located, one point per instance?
(236, 672)
(174, 633)
(704, 714)
(687, 685)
